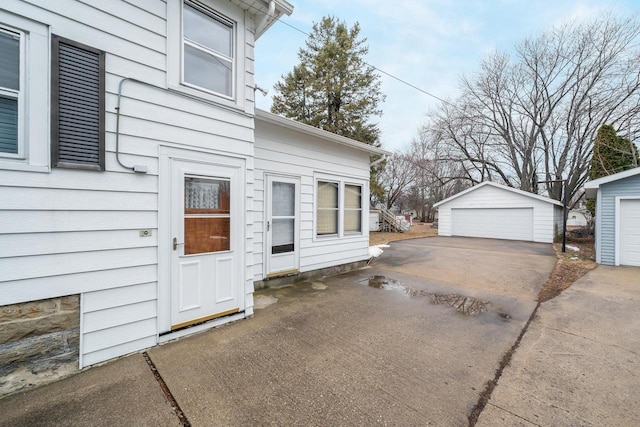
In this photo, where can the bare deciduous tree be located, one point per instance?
(535, 115)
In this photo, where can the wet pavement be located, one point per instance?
(410, 340)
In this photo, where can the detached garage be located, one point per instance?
(617, 218)
(496, 211)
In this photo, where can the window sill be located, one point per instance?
(208, 97)
(7, 164)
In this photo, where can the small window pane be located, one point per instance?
(208, 31)
(8, 125)
(206, 196)
(283, 199)
(207, 71)
(327, 222)
(352, 197)
(352, 221)
(327, 194)
(9, 60)
(206, 235)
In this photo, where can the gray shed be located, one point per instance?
(617, 219)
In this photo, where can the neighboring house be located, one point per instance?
(577, 218)
(140, 198)
(496, 211)
(617, 217)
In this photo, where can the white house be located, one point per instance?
(496, 211)
(140, 197)
(577, 218)
(617, 218)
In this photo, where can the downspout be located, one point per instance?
(382, 158)
(265, 19)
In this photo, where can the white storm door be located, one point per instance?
(282, 226)
(206, 225)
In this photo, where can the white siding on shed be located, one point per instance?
(497, 211)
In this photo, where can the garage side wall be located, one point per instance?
(606, 214)
(489, 197)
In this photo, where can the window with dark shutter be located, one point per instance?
(77, 105)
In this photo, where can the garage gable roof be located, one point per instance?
(502, 187)
(591, 187)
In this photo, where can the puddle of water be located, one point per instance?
(465, 305)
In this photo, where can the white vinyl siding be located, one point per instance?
(290, 153)
(488, 200)
(77, 231)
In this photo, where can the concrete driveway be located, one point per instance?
(411, 340)
(579, 361)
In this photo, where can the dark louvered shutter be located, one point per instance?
(77, 105)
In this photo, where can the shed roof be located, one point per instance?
(591, 187)
(318, 133)
(502, 187)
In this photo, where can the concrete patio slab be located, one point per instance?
(578, 362)
(357, 354)
(120, 393)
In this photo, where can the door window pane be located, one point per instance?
(207, 215)
(283, 235)
(283, 199)
(206, 235)
(205, 195)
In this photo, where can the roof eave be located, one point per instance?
(319, 133)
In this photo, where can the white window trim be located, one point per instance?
(225, 11)
(34, 96)
(341, 181)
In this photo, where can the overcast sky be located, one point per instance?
(429, 43)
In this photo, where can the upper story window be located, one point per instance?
(11, 93)
(24, 93)
(207, 52)
(208, 47)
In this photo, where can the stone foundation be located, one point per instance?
(277, 282)
(39, 342)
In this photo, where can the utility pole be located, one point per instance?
(565, 201)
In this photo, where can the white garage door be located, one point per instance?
(630, 232)
(494, 223)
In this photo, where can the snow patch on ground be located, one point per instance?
(377, 250)
(573, 248)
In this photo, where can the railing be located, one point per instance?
(389, 222)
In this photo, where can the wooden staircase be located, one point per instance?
(389, 222)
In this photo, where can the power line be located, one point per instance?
(411, 85)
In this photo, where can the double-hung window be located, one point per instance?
(339, 209)
(207, 50)
(11, 92)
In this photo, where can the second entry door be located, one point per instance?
(282, 225)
